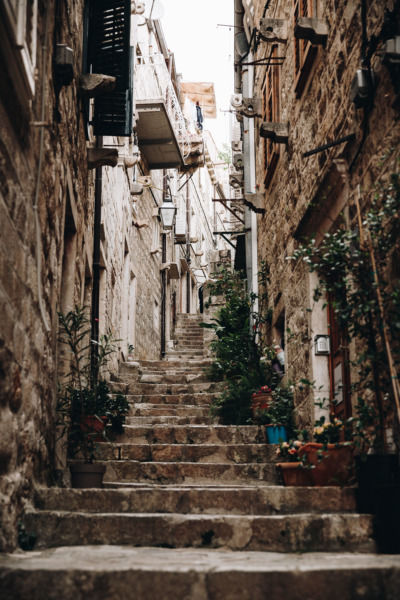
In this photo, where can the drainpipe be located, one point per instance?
(239, 12)
(188, 282)
(96, 256)
(244, 85)
(163, 278)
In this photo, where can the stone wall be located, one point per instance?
(307, 195)
(28, 346)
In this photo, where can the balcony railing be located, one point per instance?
(153, 81)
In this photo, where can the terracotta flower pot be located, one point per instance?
(333, 466)
(259, 403)
(295, 474)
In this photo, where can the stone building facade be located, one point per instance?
(80, 225)
(308, 80)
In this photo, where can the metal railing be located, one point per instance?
(153, 81)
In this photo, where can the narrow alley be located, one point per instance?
(199, 300)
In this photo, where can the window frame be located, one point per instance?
(21, 50)
(304, 51)
(271, 113)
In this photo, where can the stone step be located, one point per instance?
(144, 364)
(124, 572)
(193, 399)
(193, 453)
(193, 434)
(174, 388)
(278, 533)
(249, 500)
(190, 473)
(171, 410)
(162, 420)
(169, 377)
(174, 354)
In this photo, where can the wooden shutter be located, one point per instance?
(304, 51)
(271, 114)
(113, 55)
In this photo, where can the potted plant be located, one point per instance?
(260, 401)
(278, 418)
(85, 404)
(292, 469)
(330, 459)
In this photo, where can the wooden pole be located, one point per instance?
(385, 329)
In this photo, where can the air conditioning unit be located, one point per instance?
(248, 107)
(237, 146)
(137, 8)
(238, 160)
(236, 180)
(236, 100)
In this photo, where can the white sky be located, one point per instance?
(204, 52)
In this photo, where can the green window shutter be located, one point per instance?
(112, 55)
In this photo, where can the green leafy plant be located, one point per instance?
(328, 432)
(281, 409)
(240, 356)
(355, 273)
(289, 451)
(84, 402)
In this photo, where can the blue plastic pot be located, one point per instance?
(276, 434)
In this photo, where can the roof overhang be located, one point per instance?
(157, 139)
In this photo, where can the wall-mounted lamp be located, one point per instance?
(322, 345)
(167, 212)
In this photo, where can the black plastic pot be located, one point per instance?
(87, 475)
(378, 493)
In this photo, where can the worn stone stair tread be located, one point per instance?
(276, 533)
(182, 472)
(184, 452)
(153, 420)
(261, 500)
(124, 572)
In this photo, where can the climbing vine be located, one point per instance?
(356, 272)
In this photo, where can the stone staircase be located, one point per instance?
(192, 510)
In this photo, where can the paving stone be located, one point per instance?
(122, 573)
(283, 533)
(208, 494)
(245, 499)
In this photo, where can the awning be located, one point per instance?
(204, 93)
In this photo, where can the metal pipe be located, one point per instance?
(163, 279)
(238, 19)
(329, 145)
(96, 257)
(188, 248)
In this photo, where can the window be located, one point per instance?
(110, 53)
(271, 113)
(156, 234)
(304, 51)
(19, 43)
